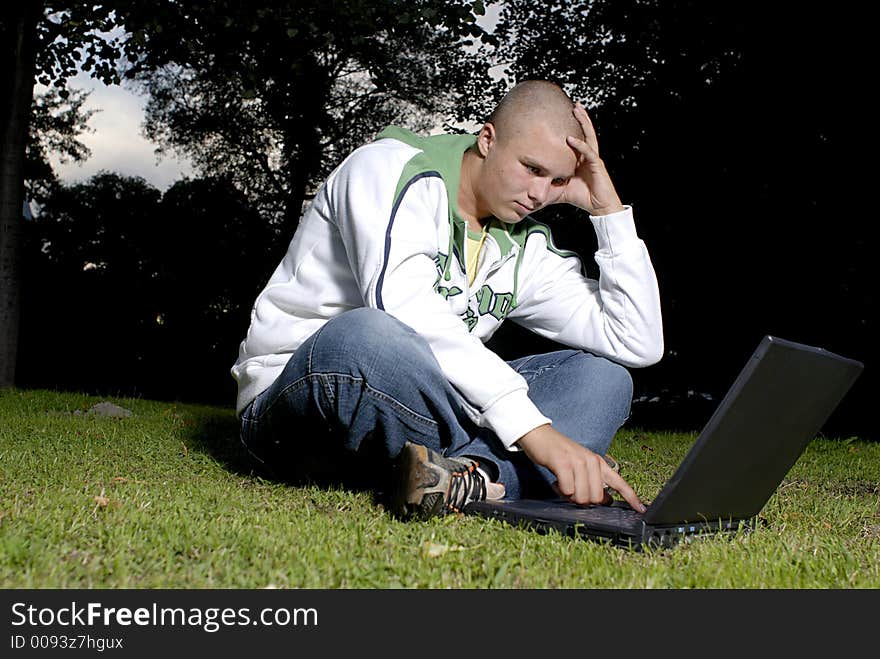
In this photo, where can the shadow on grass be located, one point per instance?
(216, 434)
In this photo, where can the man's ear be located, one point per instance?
(486, 138)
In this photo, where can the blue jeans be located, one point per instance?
(365, 383)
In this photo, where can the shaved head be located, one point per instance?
(522, 159)
(533, 101)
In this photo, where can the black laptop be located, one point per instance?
(775, 407)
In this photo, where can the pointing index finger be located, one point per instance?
(615, 480)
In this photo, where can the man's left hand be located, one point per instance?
(590, 188)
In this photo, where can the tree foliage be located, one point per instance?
(55, 128)
(74, 36)
(274, 95)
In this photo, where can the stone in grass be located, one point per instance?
(105, 408)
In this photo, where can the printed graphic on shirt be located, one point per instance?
(484, 302)
(440, 261)
(470, 319)
(447, 292)
(488, 302)
(498, 305)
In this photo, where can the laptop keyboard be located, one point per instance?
(618, 514)
(614, 514)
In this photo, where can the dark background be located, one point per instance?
(754, 195)
(751, 196)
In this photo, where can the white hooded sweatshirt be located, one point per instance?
(384, 231)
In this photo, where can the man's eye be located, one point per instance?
(559, 181)
(534, 170)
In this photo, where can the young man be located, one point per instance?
(413, 252)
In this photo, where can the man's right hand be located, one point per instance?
(581, 474)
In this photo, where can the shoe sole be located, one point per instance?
(407, 503)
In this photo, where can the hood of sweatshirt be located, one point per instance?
(442, 155)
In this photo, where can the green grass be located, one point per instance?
(162, 500)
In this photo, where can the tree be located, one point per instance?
(46, 39)
(17, 28)
(274, 95)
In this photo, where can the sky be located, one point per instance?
(116, 140)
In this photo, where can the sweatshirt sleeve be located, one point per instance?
(618, 316)
(391, 244)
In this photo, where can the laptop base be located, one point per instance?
(617, 524)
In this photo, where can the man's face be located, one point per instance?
(524, 170)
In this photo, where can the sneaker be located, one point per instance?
(430, 484)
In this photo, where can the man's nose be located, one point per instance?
(539, 191)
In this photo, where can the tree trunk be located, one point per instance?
(304, 139)
(18, 53)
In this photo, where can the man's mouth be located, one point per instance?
(527, 209)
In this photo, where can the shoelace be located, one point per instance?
(465, 486)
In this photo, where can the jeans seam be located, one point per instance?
(322, 377)
(539, 371)
(247, 424)
(312, 347)
(550, 367)
(525, 361)
(328, 390)
(386, 397)
(281, 393)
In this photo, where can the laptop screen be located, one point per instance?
(775, 407)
